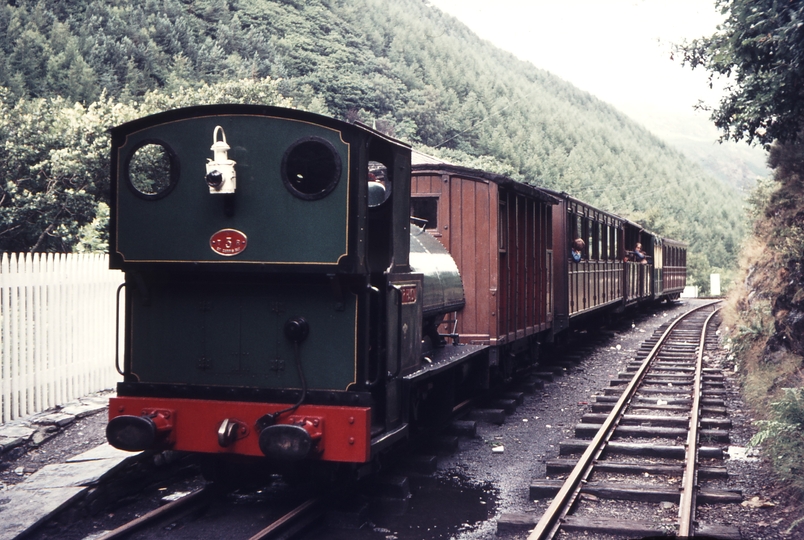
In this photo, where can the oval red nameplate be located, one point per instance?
(228, 242)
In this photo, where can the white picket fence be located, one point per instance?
(57, 329)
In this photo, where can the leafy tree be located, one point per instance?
(50, 177)
(760, 48)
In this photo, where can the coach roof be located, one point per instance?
(423, 163)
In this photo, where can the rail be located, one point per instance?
(288, 525)
(687, 502)
(191, 500)
(298, 518)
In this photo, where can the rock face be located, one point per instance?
(770, 303)
(788, 309)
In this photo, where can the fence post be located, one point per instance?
(5, 306)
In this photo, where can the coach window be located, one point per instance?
(613, 244)
(599, 244)
(601, 241)
(502, 227)
(576, 231)
(424, 211)
(614, 239)
(152, 170)
(579, 227)
(590, 240)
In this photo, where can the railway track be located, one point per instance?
(288, 523)
(654, 439)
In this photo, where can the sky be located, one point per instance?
(617, 50)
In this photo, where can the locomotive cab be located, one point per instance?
(270, 308)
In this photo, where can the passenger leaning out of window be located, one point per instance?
(639, 254)
(578, 246)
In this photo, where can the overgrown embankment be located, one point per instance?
(765, 314)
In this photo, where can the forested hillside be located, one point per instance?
(404, 66)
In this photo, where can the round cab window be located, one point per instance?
(311, 168)
(379, 186)
(152, 170)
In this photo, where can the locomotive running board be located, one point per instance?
(382, 442)
(443, 358)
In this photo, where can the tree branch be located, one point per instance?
(42, 237)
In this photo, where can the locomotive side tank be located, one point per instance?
(270, 307)
(443, 285)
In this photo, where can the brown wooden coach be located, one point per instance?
(499, 232)
(674, 268)
(597, 280)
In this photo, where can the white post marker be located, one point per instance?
(714, 281)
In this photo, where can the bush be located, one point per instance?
(782, 437)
